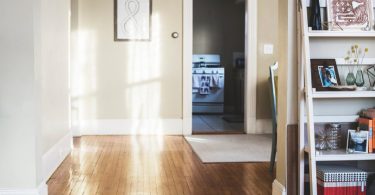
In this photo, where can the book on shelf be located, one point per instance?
(367, 125)
(337, 179)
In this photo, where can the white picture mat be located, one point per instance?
(349, 136)
(133, 19)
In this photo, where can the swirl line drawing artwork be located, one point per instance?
(132, 20)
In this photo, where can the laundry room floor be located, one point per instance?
(215, 124)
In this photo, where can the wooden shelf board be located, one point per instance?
(334, 119)
(343, 94)
(340, 155)
(333, 34)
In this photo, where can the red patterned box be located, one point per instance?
(336, 180)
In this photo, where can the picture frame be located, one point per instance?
(132, 20)
(357, 141)
(324, 74)
(350, 15)
(371, 75)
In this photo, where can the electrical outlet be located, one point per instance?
(268, 49)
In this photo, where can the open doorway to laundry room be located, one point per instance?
(218, 68)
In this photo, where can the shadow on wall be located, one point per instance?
(264, 98)
(128, 86)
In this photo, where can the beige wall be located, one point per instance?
(288, 72)
(267, 34)
(120, 80)
(125, 80)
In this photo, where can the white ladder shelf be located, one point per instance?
(307, 96)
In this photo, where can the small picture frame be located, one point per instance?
(324, 74)
(371, 75)
(357, 141)
(350, 15)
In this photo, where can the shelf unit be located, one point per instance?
(338, 119)
(309, 99)
(339, 155)
(344, 94)
(326, 33)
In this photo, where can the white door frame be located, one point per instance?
(250, 67)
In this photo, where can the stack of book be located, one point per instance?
(367, 124)
(336, 179)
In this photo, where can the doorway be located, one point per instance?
(218, 66)
(251, 60)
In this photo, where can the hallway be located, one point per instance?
(151, 165)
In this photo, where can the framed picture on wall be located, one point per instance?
(133, 20)
(350, 15)
(324, 74)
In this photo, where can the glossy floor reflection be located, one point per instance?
(151, 165)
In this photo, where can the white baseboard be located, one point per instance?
(263, 126)
(50, 162)
(52, 159)
(187, 126)
(250, 125)
(41, 190)
(278, 188)
(129, 127)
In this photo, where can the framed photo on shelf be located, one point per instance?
(324, 74)
(350, 15)
(132, 20)
(357, 141)
(371, 75)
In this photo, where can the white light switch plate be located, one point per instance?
(268, 49)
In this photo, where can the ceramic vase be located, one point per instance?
(350, 79)
(359, 80)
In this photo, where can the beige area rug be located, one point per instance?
(231, 148)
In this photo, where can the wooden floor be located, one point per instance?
(151, 165)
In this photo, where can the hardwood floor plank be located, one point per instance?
(151, 165)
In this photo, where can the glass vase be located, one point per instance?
(359, 80)
(334, 135)
(350, 79)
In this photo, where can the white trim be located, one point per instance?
(278, 188)
(129, 127)
(52, 159)
(251, 65)
(264, 126)
(251, 44)
(41, 190)
(187, 65)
